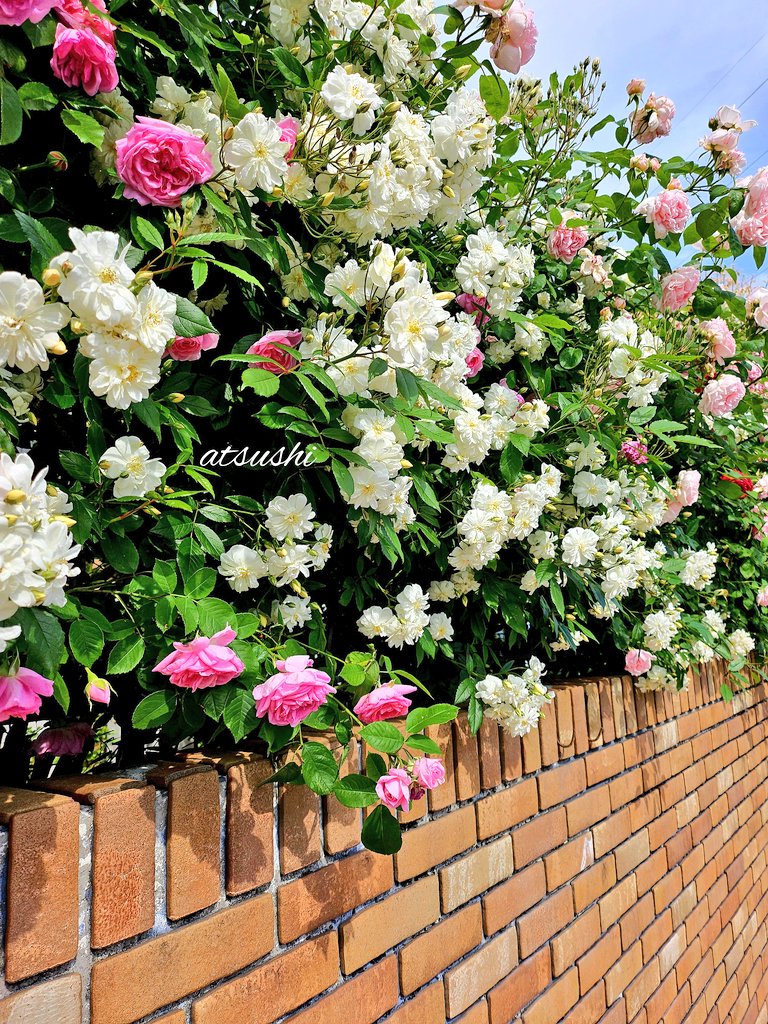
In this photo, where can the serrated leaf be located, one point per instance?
(190, 322)
(355, 791)
(381, 832)
(11, 113)
(85, 127)
(155, 710)
(262, 382)
(86, 641)
(420, 718)
(240, 714)
(319, 769)
(382, 736)
(125, 655)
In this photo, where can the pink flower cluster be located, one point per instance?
(513, 37)
(721, 396)
(397, 788)
(275, 358)
(16, 12)
(475, 361)
(206, 661)
(84, 52)
(564, 243)
(289, 131)
(686, 493)
(21, 694)
(722, 344)
(635, 451)
(476, 304)
(723, 141)
(159, 163)
(678, 288)
(643, 163)
(668, 212)
(186, 349)
(294, 692)
(751, 222)
(653, 120)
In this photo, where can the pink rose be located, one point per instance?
(639, 162)
(721, 396)
(276, 359)
(668, 212)
(653, 120)
(297, 690)
(429, 772)
(68, 741)
(394, 789)
(751, 222)
(514, 37)
(636, 87)
(98, 691)
(757, 306)
(159, 162)
(16, 12)
(20, 694)
(635, 451)
(289, 130)
(206, 661)
(187, 349)
(475, 361)
(637, 662)
(674, 508)
(81, 59)
(687, 490)
(476, 304)
(73, 14)
(565, 243)
(678, 288)
(762, 598)
(384, 702)
(722, 344)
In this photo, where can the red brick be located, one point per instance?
(507, 808)
(428, 1005)
(466, 878)
(298, 814)
(511, 899)
(362, 999)
(520, 987)
(585, 810)
(545, 920)
(180, 962)
(559, 784)
(49, 1002)
(594, 964)
(193, 857)
(308, 902)
(546, 832)
(566, 740)
(531, 751)
(575, 940)
(511, 756)
(437, 841)
(372, 932)
(490, 756)
(429, 954)
(478, 973)
(42, 885)
(444, 795)
(604, 764)
(466, 759)
(555, 1003)
(593, 883)
(250, 827)
(342, 824)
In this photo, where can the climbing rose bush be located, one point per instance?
(347, 379)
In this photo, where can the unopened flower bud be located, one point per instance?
(176, 397)
(328, 198)
(51, 278)
(68, 521)
(57, 348)
(636, 87)
(448, 191)
(228, 133)
(39, 596)
(57, 161)
(143, 277)
(444, 296)
(78, 327)
(285, 302)
(392, 108)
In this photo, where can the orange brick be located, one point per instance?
(179, 962)
(593, 883)
(298, 814)
(575, 940)
(561, 783)
(585, 810)
(372, 932)
(485, 867)
(511, 757)
(545, 920)
(594, 964)
(651, 870)
(591, 1008)
(548, 736)
(478, 973)
(477, 1014)
(531, 751)
(608, 834)
(618, 901)
(428, 1005)
(342, 824)
(632, 853)
(362, 999)
(594, 719)
(625, 788)
(429, 954)
(51, 1002)
(520, 987)
(466, 759)
(628, 696)
(579, 709)
(501, 811)
(546, 832)
(511, 899)
(439, 840)
(568, 861)
(634, 922)
(490, 755)
(444, 795)
(606, 710)
(555, 1003)
(604, 764)
(250, 827)
(566, 744)
(308, 902)
(623, 972)
(640, 990)
(42, 885)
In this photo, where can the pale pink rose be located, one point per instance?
(762, 597)
(67, 741)
(159, 163)
(565, 243)
(730, 117)
(98, 691)
(276, 359)
(289, 130)
(187, 349)
(394, 789)
(638, 661)
(674, 508)
(679, 287)
(722, 140)
(384, 702)
(476, 304)
(667, 212)
(75, 15)
(722, 344)
(721, 396)
(754, 371)
(653, 120)
(475, 361)
(751, 223)
(81, 59)
(293, 693)
(757, 307)
(514, 37)
(640, 162)
(751, 230)
(16, 12)
(20, 694)
(206, 661)
(429, 772)
(687, 489)
(732, 162)
(655, 165)
(761, 488)
(636, 87)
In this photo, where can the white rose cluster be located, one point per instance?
(129, 464)
(496, 270)
(406, 623)
(36, 547)
(29, 325)
(699, 568)
(516, 702)
(640, 383)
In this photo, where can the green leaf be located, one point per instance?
(375, 766)
(199, 274)
(570, 358)
(125, 655)
(355, 791)
(190, 322)
(474, 714)
(262, 382)
(557, 596)
(145, 233)
(240, 714)
(61, 693)
(319, 768)
(164, 575)
(86, 641)
(226, 91)
(200, 583)
(215, 700)
(78, 466)
(85, 127)
(382, 736)
(420, 718)
(343, 477)
(36, 96)
(289, 774)
(424, 744)
(290, 68)
(121, 553)
(155, 710)
(381, 832)
(11, 113)
(407, 385)
(495, 94)
(214, 615)
(44, 638)
(39, 237)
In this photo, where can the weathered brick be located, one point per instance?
(598, 960)
(435, 842)
(512, 898)
(593, 883)
(444, 795)
(485, 867)
(555, 1003)
(545, 920)
(428, 1005)
(479, 972)
(501, 811)
(559, 784)
(49, 1002)
(520, 987)
(250, 827)
(429, 954)
(575, 940)
(546, 832)
(466, 759)
(623, 972)
(569, 860)
(298, 814)
(547, 732)
(362, 999)
(566, 741)
(372, 932)
(490, 755)
(477, 1014)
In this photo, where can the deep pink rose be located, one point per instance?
(68, 741)
(637, 662)
(476, 304)
(384, 702)
(20, 694)
(722, 341)
(16, 12)
(475, 361)
(75, 15)
(187, 349)
(565, 243)
(762, 598)
(429, 772)
(514, 37)
(394, 789)
(289, 130)
(206, 661)
(678, 288)
(668, 212)
(276, 360)
(81, 59)
(159, 163)
(635, 451)
(653, 120)
(293, 693)
(721, 396)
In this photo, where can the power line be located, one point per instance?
(755, 90)
(755, 161)
(723, 77)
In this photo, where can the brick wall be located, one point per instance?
(610, 867)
